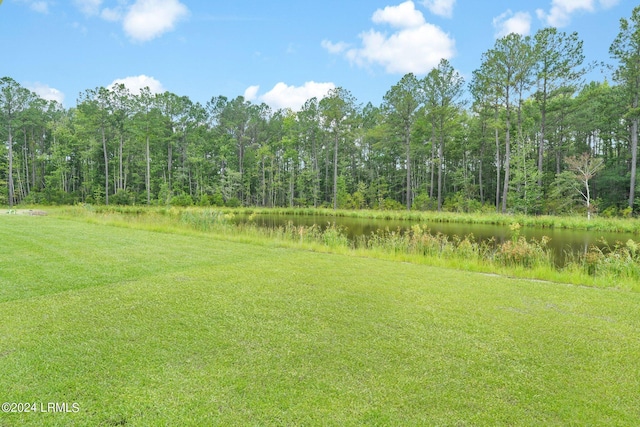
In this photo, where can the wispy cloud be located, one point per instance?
(562, 10)
(88, 7)
(440, 7)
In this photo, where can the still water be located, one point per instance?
(563, 243)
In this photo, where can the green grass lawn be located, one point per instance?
(142, 328)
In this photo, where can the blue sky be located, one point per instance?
(278, 52)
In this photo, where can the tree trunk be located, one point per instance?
(11, 188)
(440, 164)
(507, 159)
(335, 173)
(169, 165)
(433, 160)
(480, 183)
(507, 156)
(543, 126)
(106, 167)
(148, 177)
(408, 148)
(120, 164)
(634, 155)
(497, 170)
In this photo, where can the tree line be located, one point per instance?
(527, 134)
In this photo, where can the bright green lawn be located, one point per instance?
(150, 329)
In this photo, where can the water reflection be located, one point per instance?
(563, 243)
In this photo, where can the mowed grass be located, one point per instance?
(142, 328)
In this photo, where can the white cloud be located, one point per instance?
(404, 15)
(148, 19)
(46, 92)
(440, 7)
(416, 47)
(509, 22)
(334, 47)
(251, 93)
(561, 10)
(136, 83)
(285, 96)
(88, 7)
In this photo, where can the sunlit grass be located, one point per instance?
(183, 328)
(616, 266)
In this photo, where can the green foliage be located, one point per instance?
(4, 200)
(522, 253)
(458, 202)
(164, 195)
(217, 199)
(390, 204)
(204, 200)
(527, 102)
(122, 197)
(622, 260)
(358, 198)
(422, 202)
(233, 202)
(564, 197)
(182, 199)
(344, 199)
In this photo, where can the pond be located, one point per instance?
(563, 242)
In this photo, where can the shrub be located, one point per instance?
(390, 204)
(422, 202)
(204, 200)
(183, 199)
(233, 202)
(122, 197)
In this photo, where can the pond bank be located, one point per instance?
(617, 265)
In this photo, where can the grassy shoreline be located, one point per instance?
(617, 266)
(613, 225)
(184, 327)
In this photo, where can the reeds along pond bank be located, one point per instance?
(610, 265)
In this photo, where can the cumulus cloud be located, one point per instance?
(404, 15)
(285, 96)
(417, 46)
(136, 83)
(148, 19)
(46, 92)
(561, 10)
(440, 7)
(509, 22)
(251, 93)
(142, 20)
